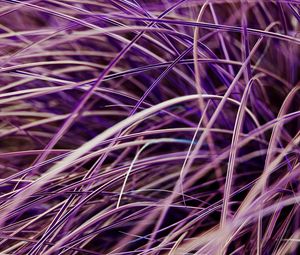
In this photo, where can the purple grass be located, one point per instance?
(149, 127)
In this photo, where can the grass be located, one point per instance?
(149, 127)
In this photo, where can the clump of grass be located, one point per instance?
(149, 127)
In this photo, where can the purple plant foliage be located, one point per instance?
(161, 127)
